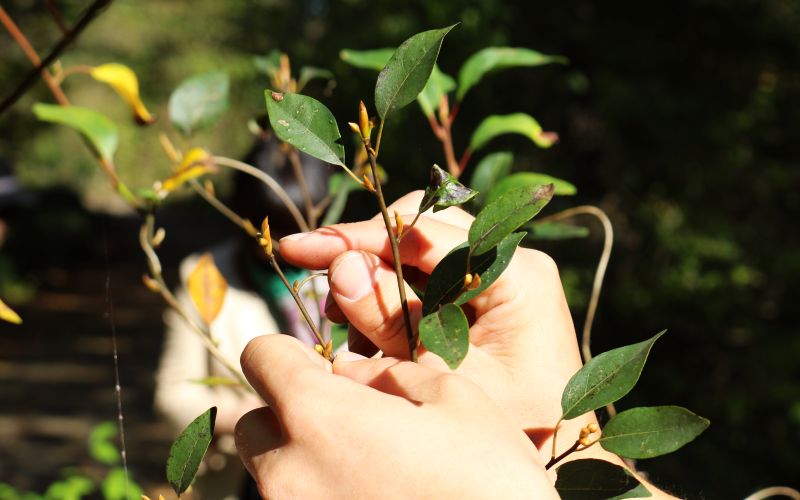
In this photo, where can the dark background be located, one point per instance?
(678, 119)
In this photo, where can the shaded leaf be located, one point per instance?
(99, 131)
(651, 431)
(270, 63)
(408, 70)
(8, 314)
(216, 381)
(513, 181)
(367, 59)
(592, 479)
(503, 216)
(196, 162)
(199, 101)
(444, 191)
(118, 486)
(306, 124)
(188, 450)
(497, 58)
(207, 288)
(100, 446)
(605, 378)
(439, 84)
(446, 281)
(123, 80)
(556, 231)
(308, 73)
(515, 123)
(488, 172)
(446, 334)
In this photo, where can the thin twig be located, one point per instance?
(215, 202)
(300, 305)
(297, 165)
(57, 17)
(569, 451)
(773, 491)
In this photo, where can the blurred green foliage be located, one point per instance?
(679, 119)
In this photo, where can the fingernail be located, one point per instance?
(295, 237)
(353, 277)
(348, 356)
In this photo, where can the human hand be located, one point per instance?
(377, 428)
(523, 344)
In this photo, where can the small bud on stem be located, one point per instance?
(266, 240)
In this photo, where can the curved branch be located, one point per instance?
(772, 491)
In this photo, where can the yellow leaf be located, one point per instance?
(196, 162)
(8, 314)
(207, 288)
(122, 79)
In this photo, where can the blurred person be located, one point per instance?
(256, 303)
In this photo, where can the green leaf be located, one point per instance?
(447, 279)
(71, 488)
(306, 124)
(497, 58)
(591, 479)
(515, 123)
(199, 101)
(408, 70)
(605, 379)
(651, 431)
(367, 59)
(439, 84)
(97, 130)
(444, 191)
(513, 181)
(490, 169)
(503, 216)
(216, 381)
(118, 486)
(270, 63)
(100, 446)
(446, 334)
(556, 231)
(188, 450)
(308, 73)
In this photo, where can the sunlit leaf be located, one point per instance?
(117, 485)
(99, 131)
(515, 123)
(503, 216)
(497, 58)
(188, 450)
(439, 84)
(207, 288)
(100, 446)
(73, 487)
(446, 334)
(308, 73)
(488, 172)
(196, 162)
(556, 231)
(8, 314)
(514, 181)
(306, 124)
(123, 80)
(651, 431)
(590, 479)
(408, 70)
(199, 101)
(605, 378)
(444, 191)
(367, 59)
(446, 282)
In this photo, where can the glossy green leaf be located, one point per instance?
(306, 124)
(444, 191)
(199, 101)
(117, 485)
(439, 84)
(515, 123)
(308, 73)
(592, 479)
(408, 70)
(514, 181)
(446, 334)
(556, 231)
(605, 379)
(651, 431)
(497, 58)
(503, 216)
(188, 450)
(99, 131)
(100, 446)
(270, 63)
(367, 59)
(446, 282)
(488, 172)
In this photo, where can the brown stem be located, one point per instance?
(300, 305)
(215, 202)
(57, 17)
(555, 460)
(465, 157)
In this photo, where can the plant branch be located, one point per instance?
(773, 491)
(57, 17)
(215, 202)
(300, 305)
(569, 451)
(297, 165)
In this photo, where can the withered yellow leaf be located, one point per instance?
(207, 288)
(8, 314)
(196, 162)
(122, 79)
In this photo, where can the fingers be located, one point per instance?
(422, 247)
(257, 433)
(365, 290)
